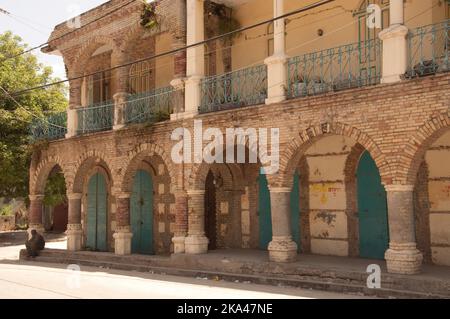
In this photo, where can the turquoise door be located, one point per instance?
(295, 209)
(97, 203)
(141, 213)
(372, 209)
(265, 218)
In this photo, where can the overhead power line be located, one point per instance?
(65, 34)
(215, 38)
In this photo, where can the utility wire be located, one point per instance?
(65, 34)
(23, 108)
(298, 46)
(215, 38)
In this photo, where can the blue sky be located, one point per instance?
(34, 20)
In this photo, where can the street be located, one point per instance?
(54, 281)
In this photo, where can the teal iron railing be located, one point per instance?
(149, 107)
(53, 126)
(95, 118)
(236, 89)
(428, 49)
(335, 69)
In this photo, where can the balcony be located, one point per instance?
(52, 126)
(95, 118)
(428, 50)
(235, 89)
(345, 67)
(335, 69)
(149, 107)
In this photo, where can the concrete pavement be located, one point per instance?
(49, 281)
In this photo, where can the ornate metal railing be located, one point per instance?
(149, 107)
(236, 89)
(428, 49)
(95, 118)
(344, 67)
(52, 126)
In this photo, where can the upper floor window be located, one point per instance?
(98, 88)
(366, 33)
(140, 77)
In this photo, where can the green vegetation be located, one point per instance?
(17, 73)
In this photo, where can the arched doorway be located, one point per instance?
(55, 213)
(141, 213)
(210, 211)
(372, 210)
(97, 212)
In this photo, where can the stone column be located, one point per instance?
(395, 45)
(120, 103)
(195, 64)
(402, 257)
(181, 221)
(122, 235)
(276, 64)
(196, 242)
(282, 248)
(74, 104)
(35, 214)
(74, 229)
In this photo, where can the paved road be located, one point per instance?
(48, 281)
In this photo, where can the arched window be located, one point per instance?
(140, 77)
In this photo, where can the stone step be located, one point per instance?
(308, 280)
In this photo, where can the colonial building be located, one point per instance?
(359, 90)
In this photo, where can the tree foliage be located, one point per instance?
(16, 74)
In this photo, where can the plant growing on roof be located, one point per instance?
(149, 18)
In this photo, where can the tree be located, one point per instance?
(16, 74)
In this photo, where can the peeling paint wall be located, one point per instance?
(438, 161)
(327, 195)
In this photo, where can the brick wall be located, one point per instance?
(395, 123)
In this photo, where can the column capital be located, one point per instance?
(394, 31)
(123, 195)
(399, 188)
(280, 189)
(74, 196)
(36, 197)
(178, 83)
(195, 192)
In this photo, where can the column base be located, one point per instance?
(183, 116)
(282, 250)
(179, 245)
(122, 242)
(391, 79)
(403, 259)
(195, 245)
(38, 227)
(118, 127)
(74, 236)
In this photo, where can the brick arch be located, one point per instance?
(133, 34)
(86, 51)
(84, 165)
(292, 153)
(414, 151)
(42, 172)
(199, 172)
(135, 158)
